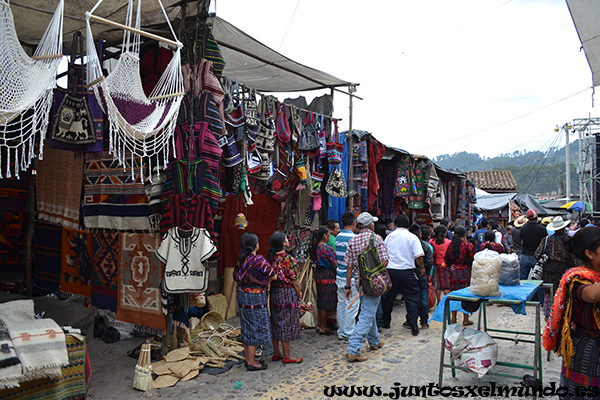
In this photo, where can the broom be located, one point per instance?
(142, 380)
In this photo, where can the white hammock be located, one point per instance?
(26, 85)
(140, 126)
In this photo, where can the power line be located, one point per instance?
(289, 24)
(505, 122)
(543, 159)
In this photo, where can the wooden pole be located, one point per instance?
(349, 140)
(139, 32)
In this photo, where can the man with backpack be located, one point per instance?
(366, 327)
(404, 250)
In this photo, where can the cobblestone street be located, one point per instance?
(404, 360)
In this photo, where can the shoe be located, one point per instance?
(253, 368)
(291, 360)
(385, 326)
(406, 325)
(322, 331)
(277, 358)
(415, 331)
(344, 338)
(424, 326)
(378, 345)
(358, 358)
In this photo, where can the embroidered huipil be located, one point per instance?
(255, 271)
(326, 256)
(286, 268)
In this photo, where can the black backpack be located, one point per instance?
(373, 276)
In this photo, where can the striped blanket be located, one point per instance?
(113, 199)
(10, 366)
(39, 343)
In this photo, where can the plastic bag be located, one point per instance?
(485, 274)
(511, 270)
(470, 348)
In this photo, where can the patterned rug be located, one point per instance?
(76, 262)
(140, 274)
(113, 199)
(58, 187)
(70, 386)
(13, 201)
(47, 245)
(105, 256)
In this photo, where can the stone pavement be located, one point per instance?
(404, 360)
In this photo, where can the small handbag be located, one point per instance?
(336, 184)
(322, 135)
(282, 127)
(73, 123)
(335, 149)
(537, 271)
(308, 140)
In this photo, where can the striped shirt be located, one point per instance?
(341, 245)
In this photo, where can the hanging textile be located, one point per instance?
(403, 183)
(337, 206)
(106, 258)
(76, 262)
(13, 202)
(200, 43)
(58, 187)
(416, 198)
(26, 85)
(112, 198)
(140, 126)
(376, 153)
(387, 173)
(47, 248)
(140, 274)
(198, 141)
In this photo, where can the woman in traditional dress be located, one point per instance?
(441, 274)
(573, 329)
(285, 294)
(253, 274)
(559, 259)
(459, 259)
(490, 242)
(326, 265)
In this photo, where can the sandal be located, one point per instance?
(277, 357)
(322, 331)
(292, 360)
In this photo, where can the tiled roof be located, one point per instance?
(494, 180)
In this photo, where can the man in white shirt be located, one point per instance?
(404, 249)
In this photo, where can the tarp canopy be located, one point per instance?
(586, 14)
(497, 201)
(248, 60)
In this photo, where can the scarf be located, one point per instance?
(558, 327)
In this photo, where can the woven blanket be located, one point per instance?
(113, 199)
(47, 245)
(76, 262)
(105, 256)
(39, 343)
(140, 274)
(10, 366)
(13, 200)
(58, 187)
(71, 385)
(13, 193)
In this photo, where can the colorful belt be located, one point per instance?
(325, 281)
(253, 306)
(253, 289)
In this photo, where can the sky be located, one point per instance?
(436, 76)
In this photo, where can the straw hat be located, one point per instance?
(178, 354)
(546, 221)
(520, 221)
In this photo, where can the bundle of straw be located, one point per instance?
(142, 380)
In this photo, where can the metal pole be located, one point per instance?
(349, 140)
(568, 163)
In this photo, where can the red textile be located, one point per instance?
(262, 218)
(376, 153)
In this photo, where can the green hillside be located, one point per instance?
(535, 171)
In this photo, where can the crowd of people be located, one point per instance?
(423, 264)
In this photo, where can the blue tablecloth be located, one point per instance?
(523, 292)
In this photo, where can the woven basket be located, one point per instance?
(211, 321)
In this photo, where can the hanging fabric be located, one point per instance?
(26, 85)
(336, 184)
(335, 149)
(140, 125)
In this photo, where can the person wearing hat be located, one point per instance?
(545, 222)
(405, 268)
(532, 233)
(517, 244)
(366, 327)
(559, 259)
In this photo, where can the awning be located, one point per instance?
(262, 68)
(585, 15)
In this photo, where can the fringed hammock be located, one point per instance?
(26, 85)
(140, 126)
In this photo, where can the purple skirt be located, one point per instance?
(254, 318)
(285, 318)
(326, 289)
